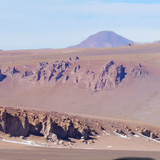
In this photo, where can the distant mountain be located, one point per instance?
(103, 39)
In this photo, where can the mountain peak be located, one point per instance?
(103, 39)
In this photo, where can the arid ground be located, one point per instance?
(117, 86)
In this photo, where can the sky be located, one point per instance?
(35, 24)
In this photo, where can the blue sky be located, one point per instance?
(33, 24)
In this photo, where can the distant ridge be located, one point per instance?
(103, 39)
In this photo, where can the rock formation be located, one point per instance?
(23, 123)
(119, 131)
(45, 72)
(148, 133)
(109, 75)
(14, 71)
(11, 71)
(138, 71)
(54, 126)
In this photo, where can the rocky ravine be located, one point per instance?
(54, 126)
(107, 76)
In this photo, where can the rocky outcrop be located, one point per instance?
(76, 69)
(129, 130)
(11, 71)
(52, 137)
(119, 131)
(109, 77)
(148, 133)
(14, 71)
(54, 126)
(138, 72)
(27, 73)
(46, 72)
(23, 123)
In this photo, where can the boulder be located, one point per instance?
(153, 135)
(82, 140)
(60, 142)
(52, 137)
(90, 141)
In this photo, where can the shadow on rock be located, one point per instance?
(2, 76)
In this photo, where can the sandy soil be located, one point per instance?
(64, 154)
(20, 152)
(13, 151)
(72, 154)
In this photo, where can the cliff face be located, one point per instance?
(23, 123)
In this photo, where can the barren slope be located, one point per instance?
(134, 95)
